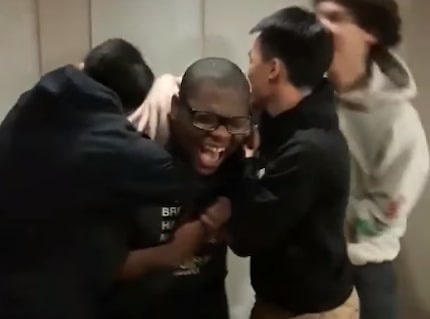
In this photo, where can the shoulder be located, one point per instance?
(405, 130)
(140, 152)
(144, 149)
(301, 150)
(316, 152)
(408, 117)
(116, 147)
(316, 143)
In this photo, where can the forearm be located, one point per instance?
(242, 240)
(142, 261)
(257, 226)
(258, 220)
(170, 255)
(248, 202)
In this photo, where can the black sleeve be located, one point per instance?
(146, 174)
(266, 207)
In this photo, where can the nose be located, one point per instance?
(221, 134)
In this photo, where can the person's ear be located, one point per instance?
(175, 107)
(275, 66)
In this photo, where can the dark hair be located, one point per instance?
(379, 17)
(220, 71)
(296, 37)
(118, 65)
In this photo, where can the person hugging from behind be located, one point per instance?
(73, 171)
(390, 160)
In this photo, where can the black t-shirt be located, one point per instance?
(196, 289)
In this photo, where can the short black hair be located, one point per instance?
(119, 65)
(378, 17)
(220, 71)
(296, 37)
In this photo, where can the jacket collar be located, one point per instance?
(316, 110)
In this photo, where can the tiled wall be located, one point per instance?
(414, 261)
(35, 37)
(63, 31)
(19, 56)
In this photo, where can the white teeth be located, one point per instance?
(215, 149)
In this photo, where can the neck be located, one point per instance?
(350, 77)
(287, 98)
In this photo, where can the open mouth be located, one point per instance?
(210, 157)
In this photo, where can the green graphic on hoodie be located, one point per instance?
(366, 228)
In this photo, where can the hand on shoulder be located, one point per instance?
(151, 117)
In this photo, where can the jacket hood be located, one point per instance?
(72, 87)
(390, 81)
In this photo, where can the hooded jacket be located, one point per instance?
(389, 159)
(72, 173)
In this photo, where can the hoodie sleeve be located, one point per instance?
(146, 174)
(397, 182)
(269, 203)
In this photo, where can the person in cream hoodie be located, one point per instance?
(389, 152)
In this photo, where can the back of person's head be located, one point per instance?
(118, 65)
(296, 37)
(210, 119)
(378, 17)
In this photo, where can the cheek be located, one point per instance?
(254, 77)
(186, 134)
(347, 37)
(251, 71)
(236, 142)
(194, 135)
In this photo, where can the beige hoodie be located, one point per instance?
(389, 159)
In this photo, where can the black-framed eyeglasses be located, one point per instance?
(208, 121)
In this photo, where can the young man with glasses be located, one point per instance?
(209, 121)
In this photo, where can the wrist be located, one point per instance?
(172, 255)
(206, 227)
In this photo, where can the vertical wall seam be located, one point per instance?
(90, 24)
(203, 26)
(38, 36)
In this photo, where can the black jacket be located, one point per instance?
(72, 172)
(289, 216)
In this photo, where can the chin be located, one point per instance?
(206, 171)
(257, 105)
(206, 160)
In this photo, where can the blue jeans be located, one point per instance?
(376, 287)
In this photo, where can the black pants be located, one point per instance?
(376, 287)
(133, 301)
